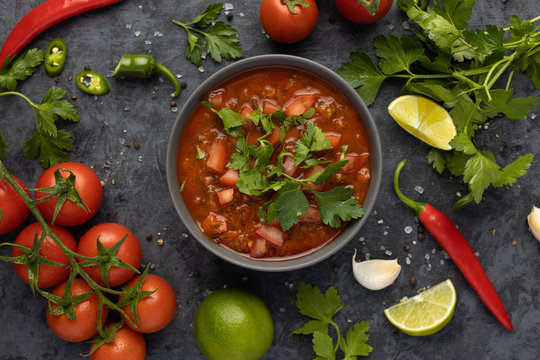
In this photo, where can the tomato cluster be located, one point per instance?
(290, 21)
(107, 256)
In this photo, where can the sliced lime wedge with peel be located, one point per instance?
(425, 313)
(425, 119)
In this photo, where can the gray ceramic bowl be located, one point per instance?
(261, 62)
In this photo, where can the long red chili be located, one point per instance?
(459, 250)
(41, 18)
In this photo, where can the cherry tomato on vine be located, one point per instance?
(357, 10)
(86, 312)
(87, 184)
(154, 311)
(109, 234)
(14, 210)
(282, 25)
(48, 275)
(127, 344)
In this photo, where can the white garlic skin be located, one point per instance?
(534, 222)
(375, 274)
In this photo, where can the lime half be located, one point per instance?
(424, 119)
(425, 313)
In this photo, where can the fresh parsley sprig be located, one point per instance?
(462, 75)
(19, 68)
(322, 308)
(221, 40)
(48, 143)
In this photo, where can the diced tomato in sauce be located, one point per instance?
(225, 196)
(229, 178)
(236, 225)
(217, 157)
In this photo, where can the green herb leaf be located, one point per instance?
(291, 3)
(209, 15)
(337, 204)
(396, 56)
(463, 143)
(355, 343)
(515, 109)
(323, 346)
(51, 150)
(363, 75)
(290, 204)
(20, 68)
(321, 176)
(437, 159)
(194, 49)
(200, 154)
(311, 302)
(229, 118)
(312, 140)
(511, 172)
(480, 171)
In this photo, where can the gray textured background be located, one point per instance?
(139, 112)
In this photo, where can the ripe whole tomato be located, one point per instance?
(87, 184)
(14, 210)
(155, 311)
(283, 26)
(127, 344)
(86, 312)
(109, 234)
(356, 11)
(48, 275)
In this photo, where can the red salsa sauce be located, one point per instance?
(231, 218)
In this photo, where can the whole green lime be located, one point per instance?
(233, 324)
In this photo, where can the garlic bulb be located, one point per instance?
(534, 222)
(375, 274)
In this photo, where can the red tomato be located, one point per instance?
(14, 210)
(87, 184)
(48, 275)
(109, 234)
(155, 311)
(86, 312)
(283, 26)
(127, 344)
(354, 10)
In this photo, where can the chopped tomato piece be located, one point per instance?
(214, 224)
(225, 196)
(271, 234)
(217, 157)
(246, 109)
(229, 178)
(258, 248)
(274, 136)
(253, 135)
(288, 166)
(216, 99)
(312, 215)
(270, 107)
(301, 104)
(364, 175)
(335, 138)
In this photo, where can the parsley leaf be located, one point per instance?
(312, 140)
(480, 171)
(290, 204)
(337, 204)
(229, 118)
(396, 56)
(311, 302)
(221, 40)
(20, 68)
(511, 172)
(515, 109)
(322, 308)
(355, 343)
(51, 149)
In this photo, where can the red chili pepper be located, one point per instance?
(42, 17)
(459, 250)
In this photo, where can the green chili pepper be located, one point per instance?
(92, 83)
(55, 57)
(144, 66)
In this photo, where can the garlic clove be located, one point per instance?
(375, 274)
(534, 222)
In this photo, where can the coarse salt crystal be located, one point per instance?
(380, 221)
(174, 109)
(201, 68)
(137, 33)
(408, 229)
(385, 233)
(361, 239)
(442, 262)
(429, 266)
(382, 247)
(408, 261)
(291, 285)
(178, 76)
(147, 42)
(228, 6)
(390, 27)
(157, 33)
(368, 256)
(406, 25)
(241, 14)
(128, 26)
(388, 252)
(477, 254)
(409, 255)
(184, 235)
(533, 116)
(426, 256)
(419, 189)
(433, 251)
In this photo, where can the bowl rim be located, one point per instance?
(269, 61)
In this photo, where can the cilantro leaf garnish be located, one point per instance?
(461, 69)
(48, 143)
(290, 203)
(19, 68)
(221, 39)
(321, 308)
(337, 204)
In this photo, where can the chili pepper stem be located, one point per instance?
(415, 205)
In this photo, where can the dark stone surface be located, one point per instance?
(136, 195)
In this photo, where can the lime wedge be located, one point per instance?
(425, 313)
(424, 119)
